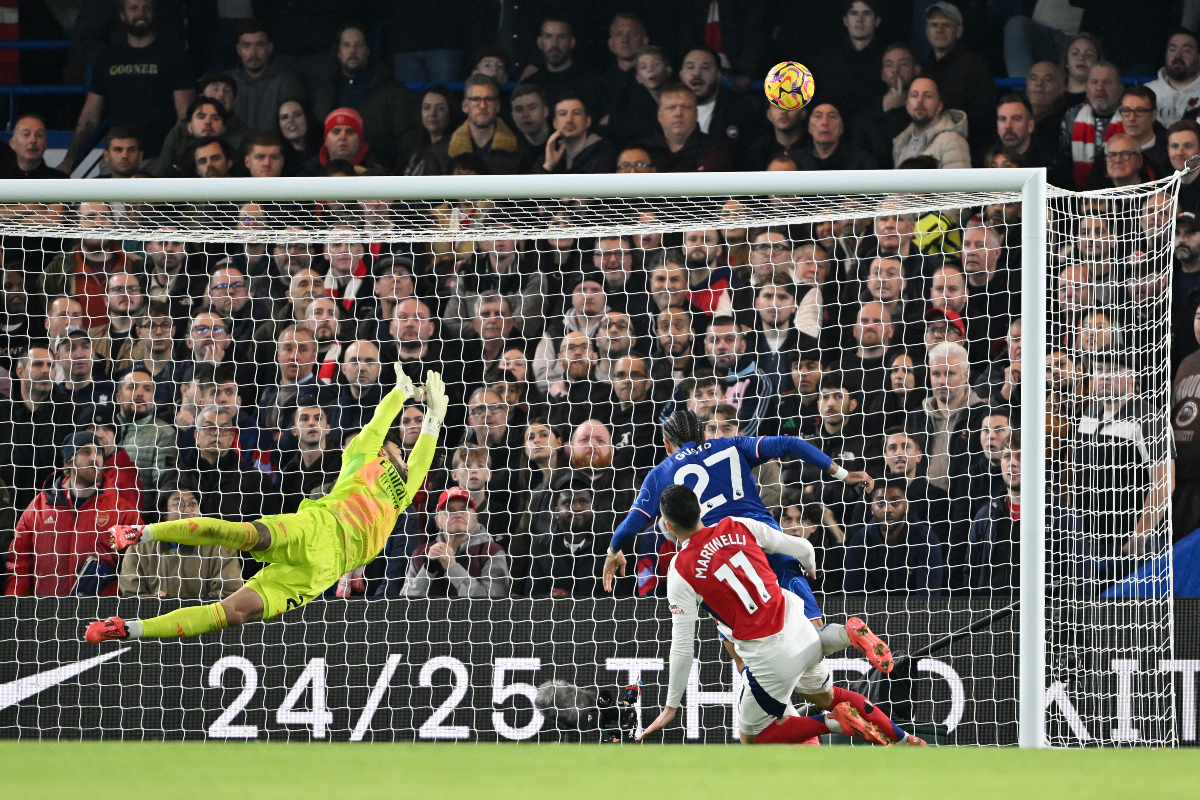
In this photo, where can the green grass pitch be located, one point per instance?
(259, 771)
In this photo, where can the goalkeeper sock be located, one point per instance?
(834, 638)
(190, 621)
(792, 730)
(869, 712)
(200, 531)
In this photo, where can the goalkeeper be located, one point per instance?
(308, 551)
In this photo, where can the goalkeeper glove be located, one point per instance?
(404, 383)
(436, 404)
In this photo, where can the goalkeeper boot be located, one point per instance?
(853, 724)
(122, 536)
(915, 741)
(104, 630)
(870, 645)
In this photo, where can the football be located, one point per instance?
(789, 85)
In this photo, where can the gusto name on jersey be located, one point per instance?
(713, 545)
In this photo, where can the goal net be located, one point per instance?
(210, 347)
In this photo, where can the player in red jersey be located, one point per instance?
(724, 569)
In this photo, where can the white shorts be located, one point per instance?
(777, 665)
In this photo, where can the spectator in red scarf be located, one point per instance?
(344, 140)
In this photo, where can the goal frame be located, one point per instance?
(1029, 182)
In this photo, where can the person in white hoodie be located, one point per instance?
(934, 130)
(1177, 86)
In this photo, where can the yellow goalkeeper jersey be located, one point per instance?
(370, 494)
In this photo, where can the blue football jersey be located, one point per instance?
(718, 471)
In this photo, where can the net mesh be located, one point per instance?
(222, 355)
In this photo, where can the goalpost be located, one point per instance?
(1092, 662)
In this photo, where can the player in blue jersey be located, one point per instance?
(718, 471)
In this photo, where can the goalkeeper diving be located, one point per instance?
(307, 552)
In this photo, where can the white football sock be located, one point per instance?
(834, 638)
(145, 535)
(133, 629)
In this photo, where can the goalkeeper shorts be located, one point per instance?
(305, 558)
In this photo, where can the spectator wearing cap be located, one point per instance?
(315, 463)
(344, 141)
(120, 473)
(76, 371)
(82, 271)
(943, 325)
(935, 130)
(1177, 86)
(847, 72)
(725, 117)
(950, 419)
(964, 79)
(463, 560)
(149, 440)
(826, 148)
(34, 423)
(558, 72)
(1123, 459)
(1088, 125)
(572, 148)
(679, 145)
(166, 569)
(383, 109)
(263, 83)
(483, 135)
(142, 80)
(568, 559)
(1015, 129)
(29, 143)
(61, 543)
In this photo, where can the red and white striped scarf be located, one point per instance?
(1083, 141)
(356, 280)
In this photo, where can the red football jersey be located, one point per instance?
(729, 571)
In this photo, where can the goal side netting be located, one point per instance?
(166, 356)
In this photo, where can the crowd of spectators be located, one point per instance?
(153, 379)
